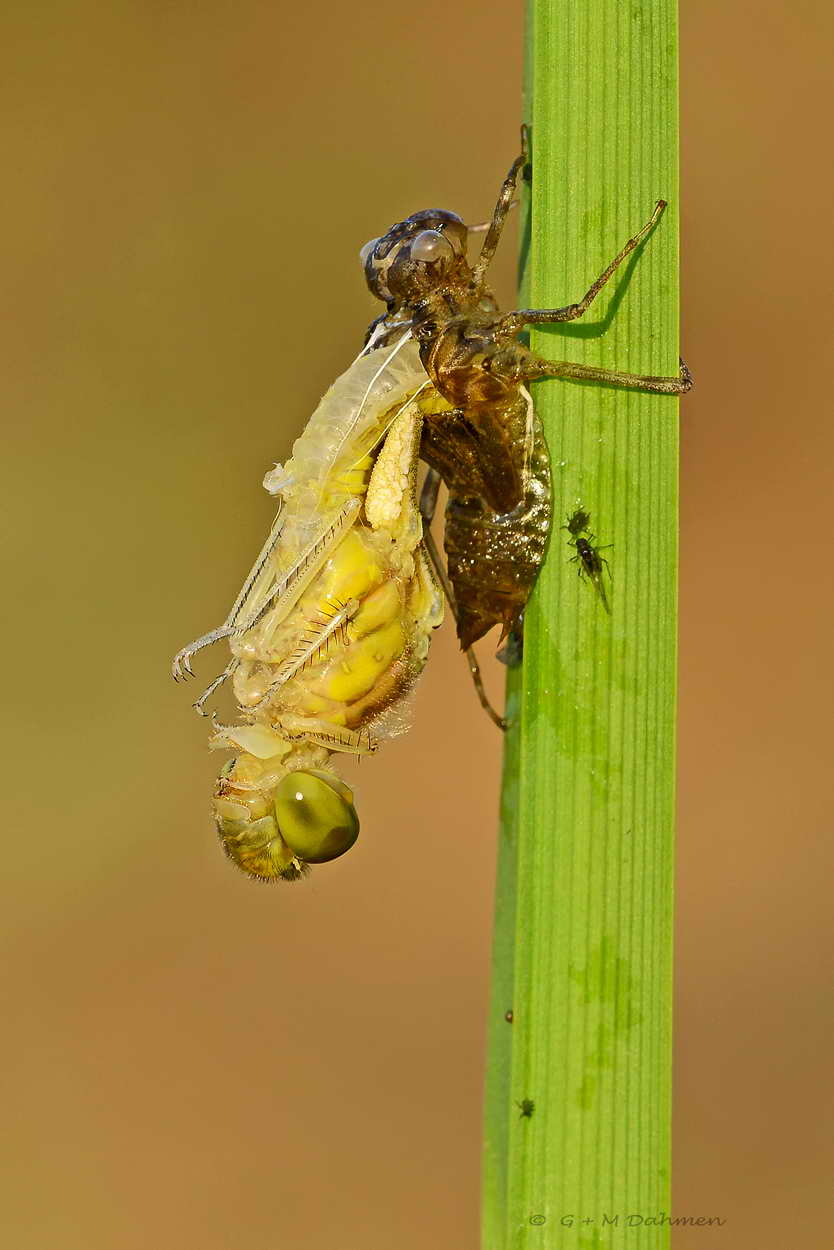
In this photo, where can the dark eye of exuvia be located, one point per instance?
(366, 251)
(431, 246)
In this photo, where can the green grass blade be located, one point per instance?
(497, 1101)
(584, 935)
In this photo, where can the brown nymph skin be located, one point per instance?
(489, 450)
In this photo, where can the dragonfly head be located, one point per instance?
(415, 256)
(274, 829)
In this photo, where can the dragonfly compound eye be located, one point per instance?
(316, 816)
(431, 246)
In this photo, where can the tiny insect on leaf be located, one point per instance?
(590, 563)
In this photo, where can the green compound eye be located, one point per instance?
(316, 816)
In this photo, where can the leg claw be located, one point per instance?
(181, 668)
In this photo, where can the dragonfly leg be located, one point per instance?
(311, 647)
(502, 208)
(324, 733)
(284, 595)
(209, 690)
(428, 504)
(534, 367)
(514, 322)
(481, 227)
(181, 666)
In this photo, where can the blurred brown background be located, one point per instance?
(194, 1061)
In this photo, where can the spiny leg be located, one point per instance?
(209, 690)
(181, 666)
(428, 503)
(534, 367)
(502, 208)
(310, 647)
(250, 586)
(325, 733)
(282, 597)
(516, 321)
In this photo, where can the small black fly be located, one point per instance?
(588, 560)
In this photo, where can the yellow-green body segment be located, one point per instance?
(333, 625)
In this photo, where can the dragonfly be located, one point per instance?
(332, 625)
